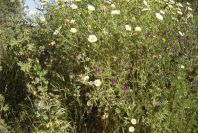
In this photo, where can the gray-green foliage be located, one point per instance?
(146, 66)
(9, 18)
(9, 12)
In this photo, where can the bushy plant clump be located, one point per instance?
(108, 66)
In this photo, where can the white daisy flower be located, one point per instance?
(182, 66)
(73, 30)
(73, 6)
(137, 29)
(131, 129)
(133, 121)
(159, 16)
(128, 27)
(92, 38)
(97, 83)
(115, 12)
(91, 8)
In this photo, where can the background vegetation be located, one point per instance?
(114, 66)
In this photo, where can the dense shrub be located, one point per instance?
(106, 66)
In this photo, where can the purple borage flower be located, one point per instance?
(114, 81)
(125, 87)
(97, 70)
